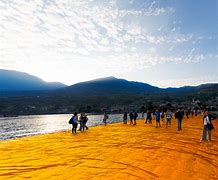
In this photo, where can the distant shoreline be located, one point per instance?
(2, 116)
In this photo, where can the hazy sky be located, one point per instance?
(161, 42)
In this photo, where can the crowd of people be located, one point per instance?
(179, 115)
(158, 116)
(150, 116)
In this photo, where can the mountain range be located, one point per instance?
(115, 86)
(19, 81)
(21, 93)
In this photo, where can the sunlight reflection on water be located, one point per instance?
(14, 127)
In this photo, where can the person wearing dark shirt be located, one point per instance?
(125, 118)
(135, 117)
(85, 119)
(131, 117)
(148, 118)
(179, 116)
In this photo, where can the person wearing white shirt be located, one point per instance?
(169, 116)
(207, 124)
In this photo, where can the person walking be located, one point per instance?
(157, 114)
(169, 116)
(135, 117)
(148, 118)
(125, 118)
(105, 118)
(179, 117)
(162, 116)
(143, 115)
(81, 122)
(153, 115)
(187, 114)
(85, 121)
(207, 126)
(74, 122)
(131, 117)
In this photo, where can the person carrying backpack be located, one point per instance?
(74, 122)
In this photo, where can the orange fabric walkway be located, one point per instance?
(116, 151)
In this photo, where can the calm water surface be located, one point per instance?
(15, 127)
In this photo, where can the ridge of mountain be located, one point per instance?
(11, 80)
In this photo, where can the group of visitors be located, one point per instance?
(168, 115)
(82, 120)
(132, 116)
(157, 115)
(179, 115)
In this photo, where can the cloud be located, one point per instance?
(38, 34)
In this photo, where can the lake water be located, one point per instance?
(15, 127)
